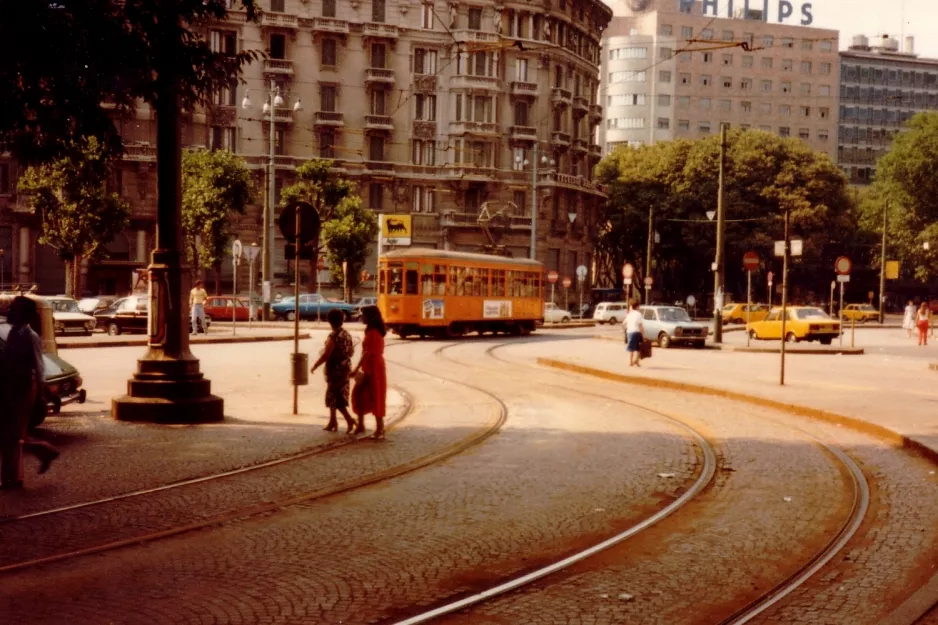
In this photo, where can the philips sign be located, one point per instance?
(753, 9)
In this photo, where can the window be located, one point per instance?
(522, 113)
(480, 64)
(626, 123)
(822, 135)
(664, 99)
(768, 41)
(805, 111)
(474, 108)
(725, 105)
(746, 106)
(425, 61)
(727, 82)
(786, 65)
(423, 200)
(426, 16)
(684, 78)
(728, 35)
(4, 178)
(665, 30)
(226, 95)
(522, 67)
(328, 51)
(703, 104)
(278, 46)
(807, 44)
(786, 86)
(765, 128)
(327, 98)
(327, 143)
(664, 76)
(805, 88)
(375, 196)
(705, 80)
(804, 133)
(824, 68)
(765, 108)
(824, 90)
(687, 33)
(629, 99)
(766, 62)
(425, 107)
(224, 41)
(708, 57)
(784, 110)
(745, 84)
(618, 54)
(683, 124)
(627, 76)
(784, 131)
(520, 200)
(378, 100)
(747, 61)
(704, 127)
(806, 67)
(278, 142)
(666, 53)
(684, 57)
(378, 55)
(328, 8)
(706, 33)
(683, 101)
(664, 123)
(788, 42)
(766, 86)
(475, 18)
(824, 112)
(826, 46)
(728, 59)
(276, 6)
(377, 10)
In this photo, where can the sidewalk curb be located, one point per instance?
(565, 326)
(142, 342)
(926, 596)
(818, 351)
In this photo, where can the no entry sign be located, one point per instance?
(552, 277)
(567, 282)
(843, 266)
(750, 261)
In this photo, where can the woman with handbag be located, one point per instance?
(371, 382)
(337, 356)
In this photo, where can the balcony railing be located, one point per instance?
(140, 152)
(379, 122)
(523, 133)
(471, 220)
(380, 166)
(385, 31)
(474, 36)
(329, 25)
(475, 128)
(284, 114)
(278, 20)
(581, 106)
(525, 89)
(561, 97)
(580, 145)
(596, 151)
(560, 139)
(328, 118)
(596, 113)
(466, 81)
(379, 75)
(426, 225)
(278, 66)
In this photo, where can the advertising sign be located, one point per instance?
(432, 309)
(496, 309)
(396, 229)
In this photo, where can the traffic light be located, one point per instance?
(306, 251)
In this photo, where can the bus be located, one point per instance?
(429, 292)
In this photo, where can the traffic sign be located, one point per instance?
(844, 277)
(251, 252)
(552, 277)
(567, 282)
(751, 261)
(628, 271)
(627, 281)
(309, 223)
(236, 251)
(843, 266)
(649, 281)
(581, 273)
(769, 277)
(691, 300)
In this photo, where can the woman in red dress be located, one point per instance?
(370, 393)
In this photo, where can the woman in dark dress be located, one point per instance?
(337, 356)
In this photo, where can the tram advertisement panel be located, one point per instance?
(432, 309)
(496, 309)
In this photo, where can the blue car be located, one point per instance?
(311, 306)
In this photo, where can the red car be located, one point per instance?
(220, 308)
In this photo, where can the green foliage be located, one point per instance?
(764, 176)
(77, 213)
(215, 185)
(347, 236)
(906, 186)
(63, 58)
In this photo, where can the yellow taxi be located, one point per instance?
(736, 313)
(802, 323)
(861, 313)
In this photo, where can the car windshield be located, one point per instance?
(811, 313)
(673, 314)
(64, 305)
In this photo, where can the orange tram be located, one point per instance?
(428, 292)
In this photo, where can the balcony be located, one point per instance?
(426, 225)
(283, 115)
(379, 122)
(523, 133)
(523, 89)
(596, 151)
(380, 31)
(424, 129)
(561, 98)
(596, 113)
(465, 81)
(473, 128)
(279, 20)
(329, 25)
(471, 220)
(328, 119)
(379, 76)
(281, 67)
(580, 147)
(140, 152)
(425, 82)
(581, 106)
(382, 167)
(560, 140)
(474, 36)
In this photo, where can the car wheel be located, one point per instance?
(791, 338)
(664, 341)
(565, 320)
(113, 328)
(291, 316)
(613, 320)
(826, 341)
(699, 344)
(753, 335)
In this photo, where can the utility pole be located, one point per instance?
(651, 242)
(267, 261)
(882, 270)
(785, 256)
(718, 265)
(534, 201)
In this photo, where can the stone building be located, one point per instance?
(432, 107)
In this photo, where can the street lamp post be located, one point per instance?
(274, 99)
(882, 271)
(718, 264)
(533, 162)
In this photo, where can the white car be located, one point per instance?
(67, 318)
(611, 312)
(555, 314)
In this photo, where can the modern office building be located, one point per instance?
(678, 69)
(881, 87)
(433, 107)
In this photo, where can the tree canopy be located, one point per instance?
(764, 176)
(215, 186)
(77, 213)
(64, 59)
(347, 235)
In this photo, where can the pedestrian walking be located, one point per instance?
(337, 356)
(634, 333)
(371, 380)
(197, 297)
(908, 321)
(923, 322)
(22, 377)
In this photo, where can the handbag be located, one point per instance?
(644, 349)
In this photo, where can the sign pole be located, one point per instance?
(748, 304)
(580, 309)
(296, 318)
(840, 313)
(251, 294)
(785, 256)
(234, 289)
(552, 292)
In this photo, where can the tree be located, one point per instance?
(906, 184)
(62, 59)
(77, 213)
(324, 190)
(215, 186)
(347, 235)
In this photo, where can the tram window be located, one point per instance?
(478, 281)
(483, 279)
(461, 281)
(439, 280)
(498, 283)
(451, 283)
(395, 280)
(383, 282)
(411, 282)
(426, 284)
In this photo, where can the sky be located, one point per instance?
(897, 18)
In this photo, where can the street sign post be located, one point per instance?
(236, 248)
(627, 272)
(251, 252)
(566, 292)
(750, 263)
(842, 267)
(769, 277)
(581, 272)
(552, 277)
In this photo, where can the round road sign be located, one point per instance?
(552, 277)
(769, 277)
(567, 282)
(691, 300)
(628, 271)
(750, 261)
(649, 281)
(581, 273)
(842, 266)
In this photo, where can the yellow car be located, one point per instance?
(736, 313)
(861, 313)
(803, 323)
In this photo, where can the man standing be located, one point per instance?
(197, 297)
(634, 333)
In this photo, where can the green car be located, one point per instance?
(63, 384)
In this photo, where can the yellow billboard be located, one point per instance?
(892, 269)
(396, 229)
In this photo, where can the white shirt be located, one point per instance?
(633, 321)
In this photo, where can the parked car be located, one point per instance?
(91, 305)
(736, 313)
(860, 313)
(555, 314)
(63, 384)
(311, 305)
(67, 318)
(128, 314)
(803, 323)
(671, 325)
(361, 303)
(221, 307)
(611, 312)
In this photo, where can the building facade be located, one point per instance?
(433, 108)
(881, 88)
(676, 69)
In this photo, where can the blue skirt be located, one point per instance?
(634, 342)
